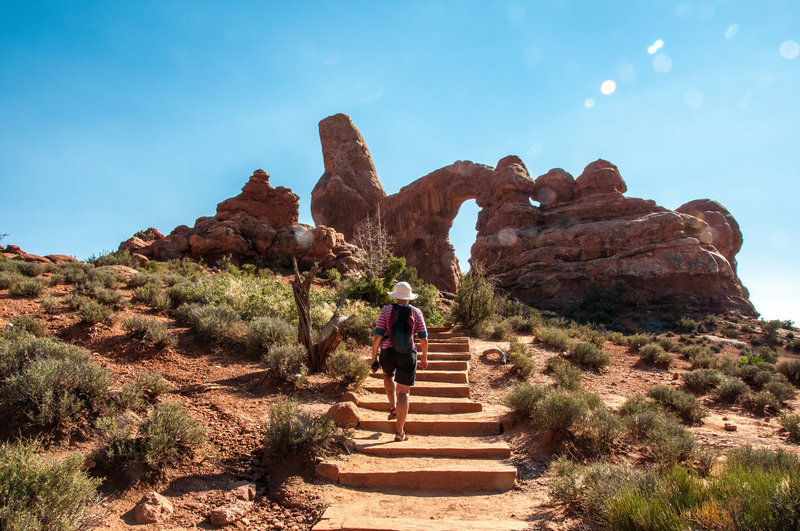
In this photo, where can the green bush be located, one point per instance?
(780, 387)
(637, 341)
(523, 397)
(791, 423)
(333, 276)
(474, 300)
(151, 331)
(770, 330)
(142, 390)
(762, 402)
(27, 288)
(686, 325)
(565, 374)
(702, 380)
(50, 304)
(494, 329)
(9, 278)
(93, 312)
(57, 388)
(596, 434)
(667, 441)
(730, 390)
(653, 353)
(552, 337)
(31, 325)
(560, 411)
(217, 323)
(164, 438)
(124, 258)
(348, 368)
(359, 327)
(265, 331)
(791, 369)
(686, 406)
(756, 375)
(588, 355)
(39, 492)
(286, 361)
(521, 357)
(666, 344)
(290, 430)
(767, 354)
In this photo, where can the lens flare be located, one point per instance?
(588, 103)
(732, 31)
(662, 64)
(608, 87)
(656, 46)
(789, 49)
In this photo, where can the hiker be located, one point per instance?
(394, 336)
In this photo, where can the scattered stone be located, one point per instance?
(730, 427)
(230, 512)
(151, 507)
(350, 396)
(503, 357)
(675, 376)
(724, 418)
(244, 490)
(345, 414)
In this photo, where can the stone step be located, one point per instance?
(382, 444)
(423, 404)
(451, 424)
(447, 356)
(422, 474)
(341, 519)
(426, 389)
(448, 347)
(434, 376)
(440, 329)
(444, 365)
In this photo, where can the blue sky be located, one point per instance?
(121, 115)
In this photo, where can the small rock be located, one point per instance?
(345, 414)
(724, 418)
(675, 376)
(328, 471)
(151, 507)
(244, 490)
(230, 512)
(350, 396)
(730, 427)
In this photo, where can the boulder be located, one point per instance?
(230, 512)
(350, 396)
(59, 259)
(244, 490)
(345, 414)
(151, 508)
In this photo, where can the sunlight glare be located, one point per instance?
(304, 237)
(790, 49)
(589, 103)
(608, 87)
(732, 31)
(662, 64)
(656, 46)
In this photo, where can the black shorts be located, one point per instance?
(404, 365)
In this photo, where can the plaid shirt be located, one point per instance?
(382, 327)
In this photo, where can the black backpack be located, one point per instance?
(401, 330)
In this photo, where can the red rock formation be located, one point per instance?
(583, 230)
(257, 226)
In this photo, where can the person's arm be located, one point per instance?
(376, 345)
(423, 344)
(422, 334)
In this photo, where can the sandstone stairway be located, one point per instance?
(453, 449)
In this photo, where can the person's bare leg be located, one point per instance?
(402, 407)
(388, 384)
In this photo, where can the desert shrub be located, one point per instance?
(523, 397)
(793, 345)
(565, 374)
(686, 325)
(791, 369)
(151, 331)
(286, 361)
(725, 365)
(9, 278)
(290, 430)
(124, 258)
(588, 355)
(39, 492)
(359, 327)
(637, 341)
(348, 368)
(667, 441)
(27, 288)
(729, 390)
(770, 330)
(588, 334)
(767, 354)
(780, 387)
(162, 439)
(474, 300)
(702, 380)
(596, 433)
(92, 312)
(653, 353)
(666, 344)
(31, 325)
(217, 323)
(686, 406)
(142, 390)
(552, 337)
(55, 387)
(762, 402)
(109, 297)
(791, 423)
(333, 276)
(521, 357)
(559, 411)
(618, 338)
(50, 304)
(704, 360)
(265, 331)
(756, 375)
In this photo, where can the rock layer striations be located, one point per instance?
(257, 226)
(545, 240)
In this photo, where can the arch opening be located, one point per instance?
(463, 232)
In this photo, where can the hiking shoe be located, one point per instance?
(392, 414)
(400, 437)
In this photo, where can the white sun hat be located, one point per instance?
(402, 290)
